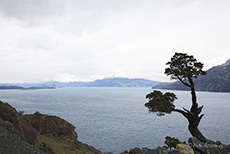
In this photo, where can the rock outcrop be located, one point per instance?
(12, 144)
(48, 133)
(194, 147)
(154, 151)
(50, 125)
(11, 121)
(209, 147)
(184, 149)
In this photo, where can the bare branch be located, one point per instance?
(182, 112)
(199, 110)
(186, 110)
(201, 116)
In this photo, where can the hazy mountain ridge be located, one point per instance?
(217, 79)
(121, 82)
(106, 82)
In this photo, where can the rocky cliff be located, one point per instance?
(48, 133)
(217, 79)
(12, 144)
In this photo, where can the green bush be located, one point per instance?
(171, 142)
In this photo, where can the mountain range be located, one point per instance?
(217, 79)
(106, 82)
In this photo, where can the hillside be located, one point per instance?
(11, 144)
(217, 79)
(25, 134)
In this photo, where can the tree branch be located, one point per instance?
(186, 84)
(201, 116)
(199, 110)
(186, 110)
(185, 114)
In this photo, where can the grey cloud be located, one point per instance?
(42, 8)
(98, 38)
(23, 9)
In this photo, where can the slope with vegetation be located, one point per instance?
(50, 134)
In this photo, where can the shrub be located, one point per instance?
(171, 142)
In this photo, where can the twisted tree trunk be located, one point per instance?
(193, 129)
(194, 121)
(192, 115)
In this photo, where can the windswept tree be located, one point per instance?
(184, 68)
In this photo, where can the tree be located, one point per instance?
(184, 68)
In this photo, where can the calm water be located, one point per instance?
(115, 119)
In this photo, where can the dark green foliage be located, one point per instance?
(171, 142)
(160, 103)
(182, 66)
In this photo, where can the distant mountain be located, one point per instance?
(11, 87)
(121, 82)
(217, 79)
(106, 82)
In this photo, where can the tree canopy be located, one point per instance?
(183, 66)
(160, 103)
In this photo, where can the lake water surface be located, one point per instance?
(115, 119)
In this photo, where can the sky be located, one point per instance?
(84, 40)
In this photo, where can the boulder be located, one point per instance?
(150, 151)
(184, 149)
(125, 152)
(135, 151)
(154, 151)
(162, 149)
(209, 147)
(175, 151)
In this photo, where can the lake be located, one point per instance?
(115, 119)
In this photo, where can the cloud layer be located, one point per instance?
(83, 40)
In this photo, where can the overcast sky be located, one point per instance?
(80, 40)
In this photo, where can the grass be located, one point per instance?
(60, 146)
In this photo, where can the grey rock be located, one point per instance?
(12, 144)
(174, 152)
(218, 143)
(183, 148)
(135, 151)
(196, 152)
(154, 151)
(209, 147)
(125, 152)
(150, 151)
